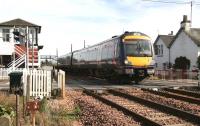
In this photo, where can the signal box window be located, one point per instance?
(6, 35)
(32, 35)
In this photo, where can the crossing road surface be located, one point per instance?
(101, 84)
(165, 83)
(76, 83)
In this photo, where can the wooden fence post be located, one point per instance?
(28, 88)
(63, 85)
(61, 82)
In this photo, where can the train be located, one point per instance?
(124, 58)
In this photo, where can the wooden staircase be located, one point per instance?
(20, 56)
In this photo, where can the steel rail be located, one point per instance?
(140, 118)
(167, 109)
(183, 92)
(175, 96)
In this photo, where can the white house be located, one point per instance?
(14, 47)
(161, 46)
(186, 43)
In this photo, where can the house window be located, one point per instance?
(6, 35)
(159, 50)
(22, 33)
(156, 49)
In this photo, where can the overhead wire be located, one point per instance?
(173, 2)
(192, 2)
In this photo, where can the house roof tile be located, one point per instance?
(167, 39)
(194, 34)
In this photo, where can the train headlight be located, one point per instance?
(127, 62)
(152, 63)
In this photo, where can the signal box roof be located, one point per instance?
(20, 22)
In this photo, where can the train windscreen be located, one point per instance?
(138, 48)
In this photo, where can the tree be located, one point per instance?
(182, 63)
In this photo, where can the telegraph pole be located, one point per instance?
(84, 43)
(13, 67)
(175, 2)
(27, 65)
(27, 48)
(71, 47)
(191, 13)
(57, 62)
(57, 56)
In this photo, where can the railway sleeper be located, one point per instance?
(175, 96)
(167, 109)
(146, 111)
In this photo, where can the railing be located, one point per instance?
(22, 57)
(18, 62)
(176, 74)
(3, 74)
(20, 50)
(33, 55)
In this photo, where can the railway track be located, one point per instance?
(179, 104)
(195, 89)
(148, 113)
(183, 92)
(174, 95)
(173, 114)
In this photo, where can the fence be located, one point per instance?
(176, 74)
(38, 82)
(4, 72)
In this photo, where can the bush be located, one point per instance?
(182, 63)
(6, 111)
(43, 105)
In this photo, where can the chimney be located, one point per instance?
(171, 33)
(185, 24)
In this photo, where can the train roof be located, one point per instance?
(67, 54)
(134, 33)
(114, 37)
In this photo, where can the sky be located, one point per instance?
(66, 22)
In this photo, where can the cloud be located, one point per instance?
(73, 21)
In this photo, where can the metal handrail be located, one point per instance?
(18, 61)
